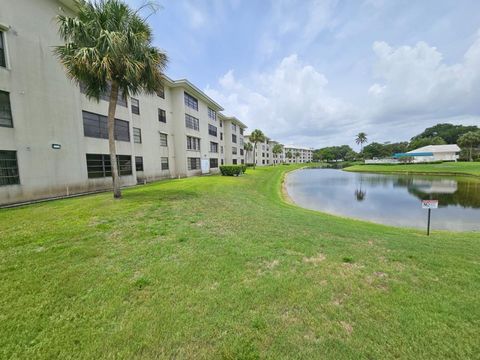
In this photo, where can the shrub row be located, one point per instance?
(232, 170)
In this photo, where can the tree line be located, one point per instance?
(467, 137)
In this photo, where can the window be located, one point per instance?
(221, 149)
(234, 150)
(222, 161)
(212, 114)
(193, 143)
(221, 123)
(241, 151)
(161, 91)
(106, 95)
(213, 147)
(243, 161)
(212, 130)
(193, 163)
(241, 131)
(234, 161)
(263, 154)
(190, 101)
(137, 135)
(213, 163)
(234, 127)
(5, 110)
(162, 115)
(234, 138)
(8, 168)
(135, 106)
(138, 163)
(192, 122)
(3, 58)
(221, 136)
(98, 165)
(164, 163)
(163, 139)
(96, 126)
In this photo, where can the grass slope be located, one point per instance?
(453, 168)
(217, 267)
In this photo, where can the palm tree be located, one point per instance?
(289, 155)
(361, 139)
(297, 155)
(247, 147)
(108, 48)
(277, 149)
(256, 136)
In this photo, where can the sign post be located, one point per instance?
(429, 204)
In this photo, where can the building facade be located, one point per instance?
(53, 139)
(299, 154)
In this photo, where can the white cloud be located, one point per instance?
(291, 103)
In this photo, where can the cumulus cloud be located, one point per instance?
(290, 103)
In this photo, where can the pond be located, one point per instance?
(389, 199)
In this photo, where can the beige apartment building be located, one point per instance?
(299, 154)
(53, 140)
(263, 152)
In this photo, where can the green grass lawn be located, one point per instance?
(454, 168)
(220, 267)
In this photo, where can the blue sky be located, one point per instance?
(315, 73)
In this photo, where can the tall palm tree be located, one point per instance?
(108, 48)
(277, 149)
(289, 155)
(361, 139)
(297, 155)
(247, 147)
(256, 136)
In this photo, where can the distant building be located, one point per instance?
(432, 153)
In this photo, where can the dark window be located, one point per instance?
(137, 135)
(162, 115)
(164, 163)
(241, 151)
(8, 168)
(241, 131)
(221, 136)
(96, 126)
(234, 161)
(222, 161)
(135, 106)
(3, 61)
(243, 161)
(263, 162)
(221, 123)
(106, 95)
(161, 91)
(234, 127)
(212, 130)
(98, 165)
(263, 154)
(193, 143)
(221, 149)
(212, 114)
(234, 138)
(192, 122)
(138, 163)
(234, 150)
(213, 163)
(213, 147)
(190, 101)
(163, 139)
(5, 110)
(193, 163)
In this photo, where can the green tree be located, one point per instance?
(361, 139)
(469, 141)
(421, 142)
(289, 155)
(108, 48)
(247, 147)
(277, 149)
(448, 132)
(297, 155)
(256, 137)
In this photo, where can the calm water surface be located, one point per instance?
(389, 199)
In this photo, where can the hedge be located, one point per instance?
(232, 170)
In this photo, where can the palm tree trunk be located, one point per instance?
(254, 150)
(111, 140)
(471, 150)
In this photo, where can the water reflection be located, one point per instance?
(392, 199)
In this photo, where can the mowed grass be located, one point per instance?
(221, 268)
(453, 168)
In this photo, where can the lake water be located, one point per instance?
(389, 199)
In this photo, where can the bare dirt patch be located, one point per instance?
(315, 260)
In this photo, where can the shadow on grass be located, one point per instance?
(156, 194)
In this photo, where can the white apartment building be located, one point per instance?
(233, 132)
(299, 154)
(263, 152)
(280, 157)
(53, 140)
